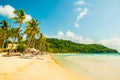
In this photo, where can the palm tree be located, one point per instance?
(32, 31)
(5, 31)
(20, 38)
(42, 42)
(47, 46)
(13, 33)
(19, 18)
(1, 38)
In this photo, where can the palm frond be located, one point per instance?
(22, 13)
(16, 12)
(14, 18)
(16, 22)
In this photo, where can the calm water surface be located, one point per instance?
(97, 66)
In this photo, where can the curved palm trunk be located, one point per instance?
(9, 52)
(43, 46)
(3, 43)
(30, 43)
(40, 46)
(33, 43)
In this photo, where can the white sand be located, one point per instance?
(13, 68)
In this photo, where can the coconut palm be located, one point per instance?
(20, 38)
(13, 33)
(47, 46)
(1, 38)
(42, 42)
(19, 18)
(32, 31)
(4, 27)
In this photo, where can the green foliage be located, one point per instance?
(5, 44)
(34, 38)
(21, 48)
(32, 31)
(65, 46)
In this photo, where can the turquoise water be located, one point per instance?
(99, 66)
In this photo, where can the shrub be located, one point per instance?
(21, 47)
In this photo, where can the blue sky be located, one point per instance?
(83, 21)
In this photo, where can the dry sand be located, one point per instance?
(14, 68)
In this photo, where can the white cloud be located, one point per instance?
(69, 35)
(76, 24)
(80, 16)
(111, 43)
(60, 33)
(7, 11)
(81, 2)
(83, 13)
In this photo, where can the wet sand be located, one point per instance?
(15, 68)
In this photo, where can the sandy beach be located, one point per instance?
(15, 68)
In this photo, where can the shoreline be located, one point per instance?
(14, 68)
(69, 66)
(56, 61)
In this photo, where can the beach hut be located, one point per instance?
(14, 47)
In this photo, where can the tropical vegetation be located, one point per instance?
(14, 35)
(66, 46)
(31, 37)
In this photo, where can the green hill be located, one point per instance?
(66, 46)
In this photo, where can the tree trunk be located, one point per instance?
(34, 43)
(43, 46)
(3, 43)
(40, 46)
(9, 52)
(30, 44)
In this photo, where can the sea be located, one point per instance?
(94, 66)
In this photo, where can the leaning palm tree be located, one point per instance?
(31, 31)
(42, 42)
(1, 39)
(20, 38)
(5, 30)
(19, 18)
(47, 45)
(13, 33)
